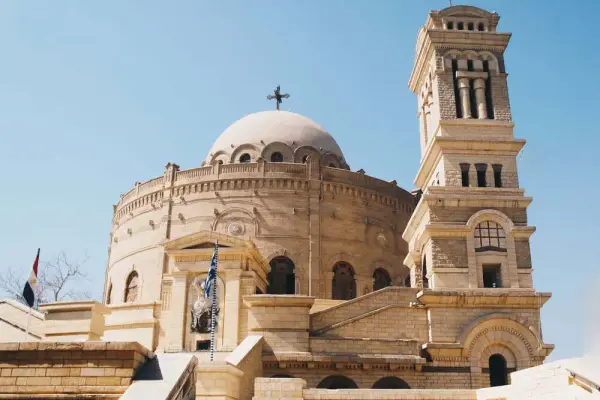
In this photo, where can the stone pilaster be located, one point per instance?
(175, 329)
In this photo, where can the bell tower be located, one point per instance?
(470, 227)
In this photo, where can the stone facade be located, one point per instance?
(329, 278)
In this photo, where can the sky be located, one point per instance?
(98, 95)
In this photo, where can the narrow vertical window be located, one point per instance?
(459, 113)
(488, 90)
(473, 99)
(470, 26)
(481, 170)
(109, 294)
(451, 25)
(424, 274)
(497, 175)
(461, 26)
(131, 288)
(480, 27)
(464, 173)
(470, 65)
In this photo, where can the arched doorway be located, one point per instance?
(381, 279)
(343, 283)
(282, 278)
(337, 382)
(391, 382)
(498, 370)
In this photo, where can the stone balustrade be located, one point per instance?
(262, 175)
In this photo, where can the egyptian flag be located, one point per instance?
(29, 290)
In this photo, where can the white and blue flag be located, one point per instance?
(212, 273)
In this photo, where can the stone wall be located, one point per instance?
(523, 251)
(450, 253)
(46, 369)
(269, 203)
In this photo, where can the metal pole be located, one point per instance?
(214, 304)
(27, 326)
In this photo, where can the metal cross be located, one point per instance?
(277, 96)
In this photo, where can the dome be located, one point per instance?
(260, 134)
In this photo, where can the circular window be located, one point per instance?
(277, 157)
(245, 158)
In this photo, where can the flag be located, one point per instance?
(29, 289)
(212, 272)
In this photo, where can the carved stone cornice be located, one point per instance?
(299, 360)
(483, 298)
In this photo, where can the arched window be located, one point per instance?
(407, 281)
(498, 370)
(337, 382)
(489, 236)
(470, 26)
(381, 279)
(282, 278)
(245, 158)
(450, 25)
(391, 382)
(480, 27)
(343, 283)
(109, 294)
(131, 288)
(461, 26)
(424, 274)
(276, 157)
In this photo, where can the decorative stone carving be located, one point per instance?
(235, 228)
(381, 240)
(201, 312)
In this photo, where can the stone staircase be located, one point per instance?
(360, 307)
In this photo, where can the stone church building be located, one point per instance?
(331, 283)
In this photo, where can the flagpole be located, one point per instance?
(214, 304)
(27, 325)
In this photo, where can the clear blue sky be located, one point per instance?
(98, 95)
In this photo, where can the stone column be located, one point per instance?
(175, 330)
(479, 86)
(465, 100)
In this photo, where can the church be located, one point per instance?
(331, 283)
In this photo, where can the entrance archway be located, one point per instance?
(391, 382)
(498, 370)
(337, 382)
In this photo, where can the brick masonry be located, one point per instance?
(43, 369)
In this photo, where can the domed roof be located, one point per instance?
(264, 128)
